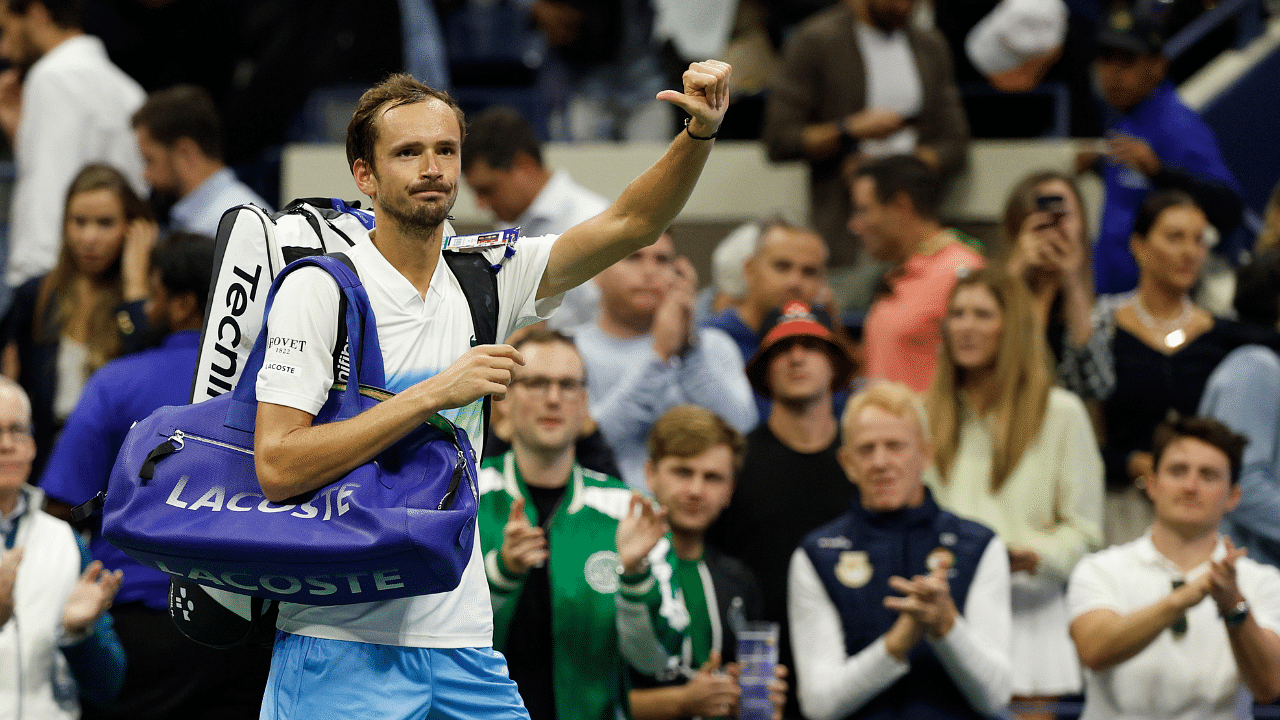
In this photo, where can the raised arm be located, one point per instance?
(651, 201)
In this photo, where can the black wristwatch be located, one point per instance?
(1236, 616)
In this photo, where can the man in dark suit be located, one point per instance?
(858, 81)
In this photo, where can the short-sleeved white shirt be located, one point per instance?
(1191, 677)
(420, 337)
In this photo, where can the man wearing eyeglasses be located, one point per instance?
(547, 531)
(1179, 623)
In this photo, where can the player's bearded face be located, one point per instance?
(424, 204)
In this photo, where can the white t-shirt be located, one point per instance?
(420, 337)
(893, 83)
(1194, 676)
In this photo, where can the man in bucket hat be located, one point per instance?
(791, 481)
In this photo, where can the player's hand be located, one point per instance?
(482, 370)
(710, 693)
(639, 532)
(8, 577)
(1134, 152)
(705, 96)
(523, 545)
(90, 597)
(135, 258)
(672, 328)
(874, 123)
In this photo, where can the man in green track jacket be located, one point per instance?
(560, 542)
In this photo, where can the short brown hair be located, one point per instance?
(182, 111)
(1204, 429)
(687, 431)
(396, 90)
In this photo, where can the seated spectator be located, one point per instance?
(47, 583)
(1018, 455)
(502, 163)
(859, 81)
(790, 481)
(898, 608)
(169, 675)
(728, 280)
(1048, 247)
(1163, 349)
(645, 356)
(789, 263)
(180, 135)
(895, 213)
(547, 531)
(1179, 623)
(1241, 393)
(1155, 142)
(89, 309)
(693, 457)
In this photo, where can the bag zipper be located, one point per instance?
(178, 437)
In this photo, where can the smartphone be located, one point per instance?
(1055, 205)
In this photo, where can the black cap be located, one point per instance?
(1130, 30)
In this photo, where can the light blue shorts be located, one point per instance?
(317, 679)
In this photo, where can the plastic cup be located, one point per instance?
(757, 658)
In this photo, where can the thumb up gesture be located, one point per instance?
(705, 96)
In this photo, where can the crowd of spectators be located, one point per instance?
(1000, 486)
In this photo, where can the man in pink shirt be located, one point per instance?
(895, 213)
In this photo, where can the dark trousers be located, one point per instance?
(170, 677)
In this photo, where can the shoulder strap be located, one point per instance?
(480, 285)
(361, 330)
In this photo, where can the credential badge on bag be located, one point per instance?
(482, 241)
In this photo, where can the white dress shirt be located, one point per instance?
(77, 108)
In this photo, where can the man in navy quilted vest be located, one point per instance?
(898, 609)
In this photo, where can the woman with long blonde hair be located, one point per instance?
(89, 309)
(1018, 455)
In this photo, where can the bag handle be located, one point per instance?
(362, 338)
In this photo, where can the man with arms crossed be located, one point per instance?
(428, 656)
(1154, 644)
